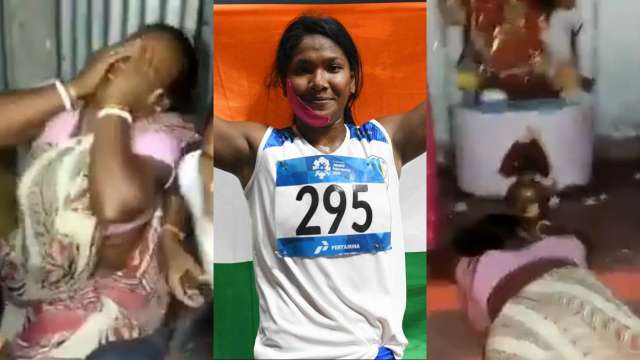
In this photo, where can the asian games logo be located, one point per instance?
(321, 167)
(382, 167)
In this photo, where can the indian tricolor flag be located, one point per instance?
(391, 38)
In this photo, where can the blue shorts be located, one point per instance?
(384, 353)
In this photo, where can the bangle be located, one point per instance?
(115, 111)
(64, 94)
(174, 230)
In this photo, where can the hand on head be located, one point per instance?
(131, 84)
(96, 69)
(149, 72)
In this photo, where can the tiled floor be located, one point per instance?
(612, 226)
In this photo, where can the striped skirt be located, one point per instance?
(567, 314)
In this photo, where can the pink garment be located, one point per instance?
(477, 277)
(303, 112)
(162, 138)
(138, 292)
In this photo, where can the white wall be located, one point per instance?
(616, 60)
(618, 67)
(438, 72)
(232, 230)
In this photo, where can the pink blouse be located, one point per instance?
(162, 138)
(477, 277)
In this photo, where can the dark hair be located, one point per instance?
(182, 89)
(325, 26)
(491, 232)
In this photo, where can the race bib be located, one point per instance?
(332, 205)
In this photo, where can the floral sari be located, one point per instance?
(56, 307)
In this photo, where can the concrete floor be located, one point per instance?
(611, 226)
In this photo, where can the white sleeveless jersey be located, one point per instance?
(328, 247)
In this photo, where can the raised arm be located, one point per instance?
(123, 184)
(235, 146)
(408, 133)
(25, 112)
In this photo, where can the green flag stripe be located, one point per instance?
(236, 309)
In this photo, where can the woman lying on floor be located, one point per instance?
(527, 286)
(82, 268)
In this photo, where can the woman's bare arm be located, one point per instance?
(236, 146)
(25, 112)
(175, 214)
(123, 185)
(408, 133)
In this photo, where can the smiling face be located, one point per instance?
(320, 75)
